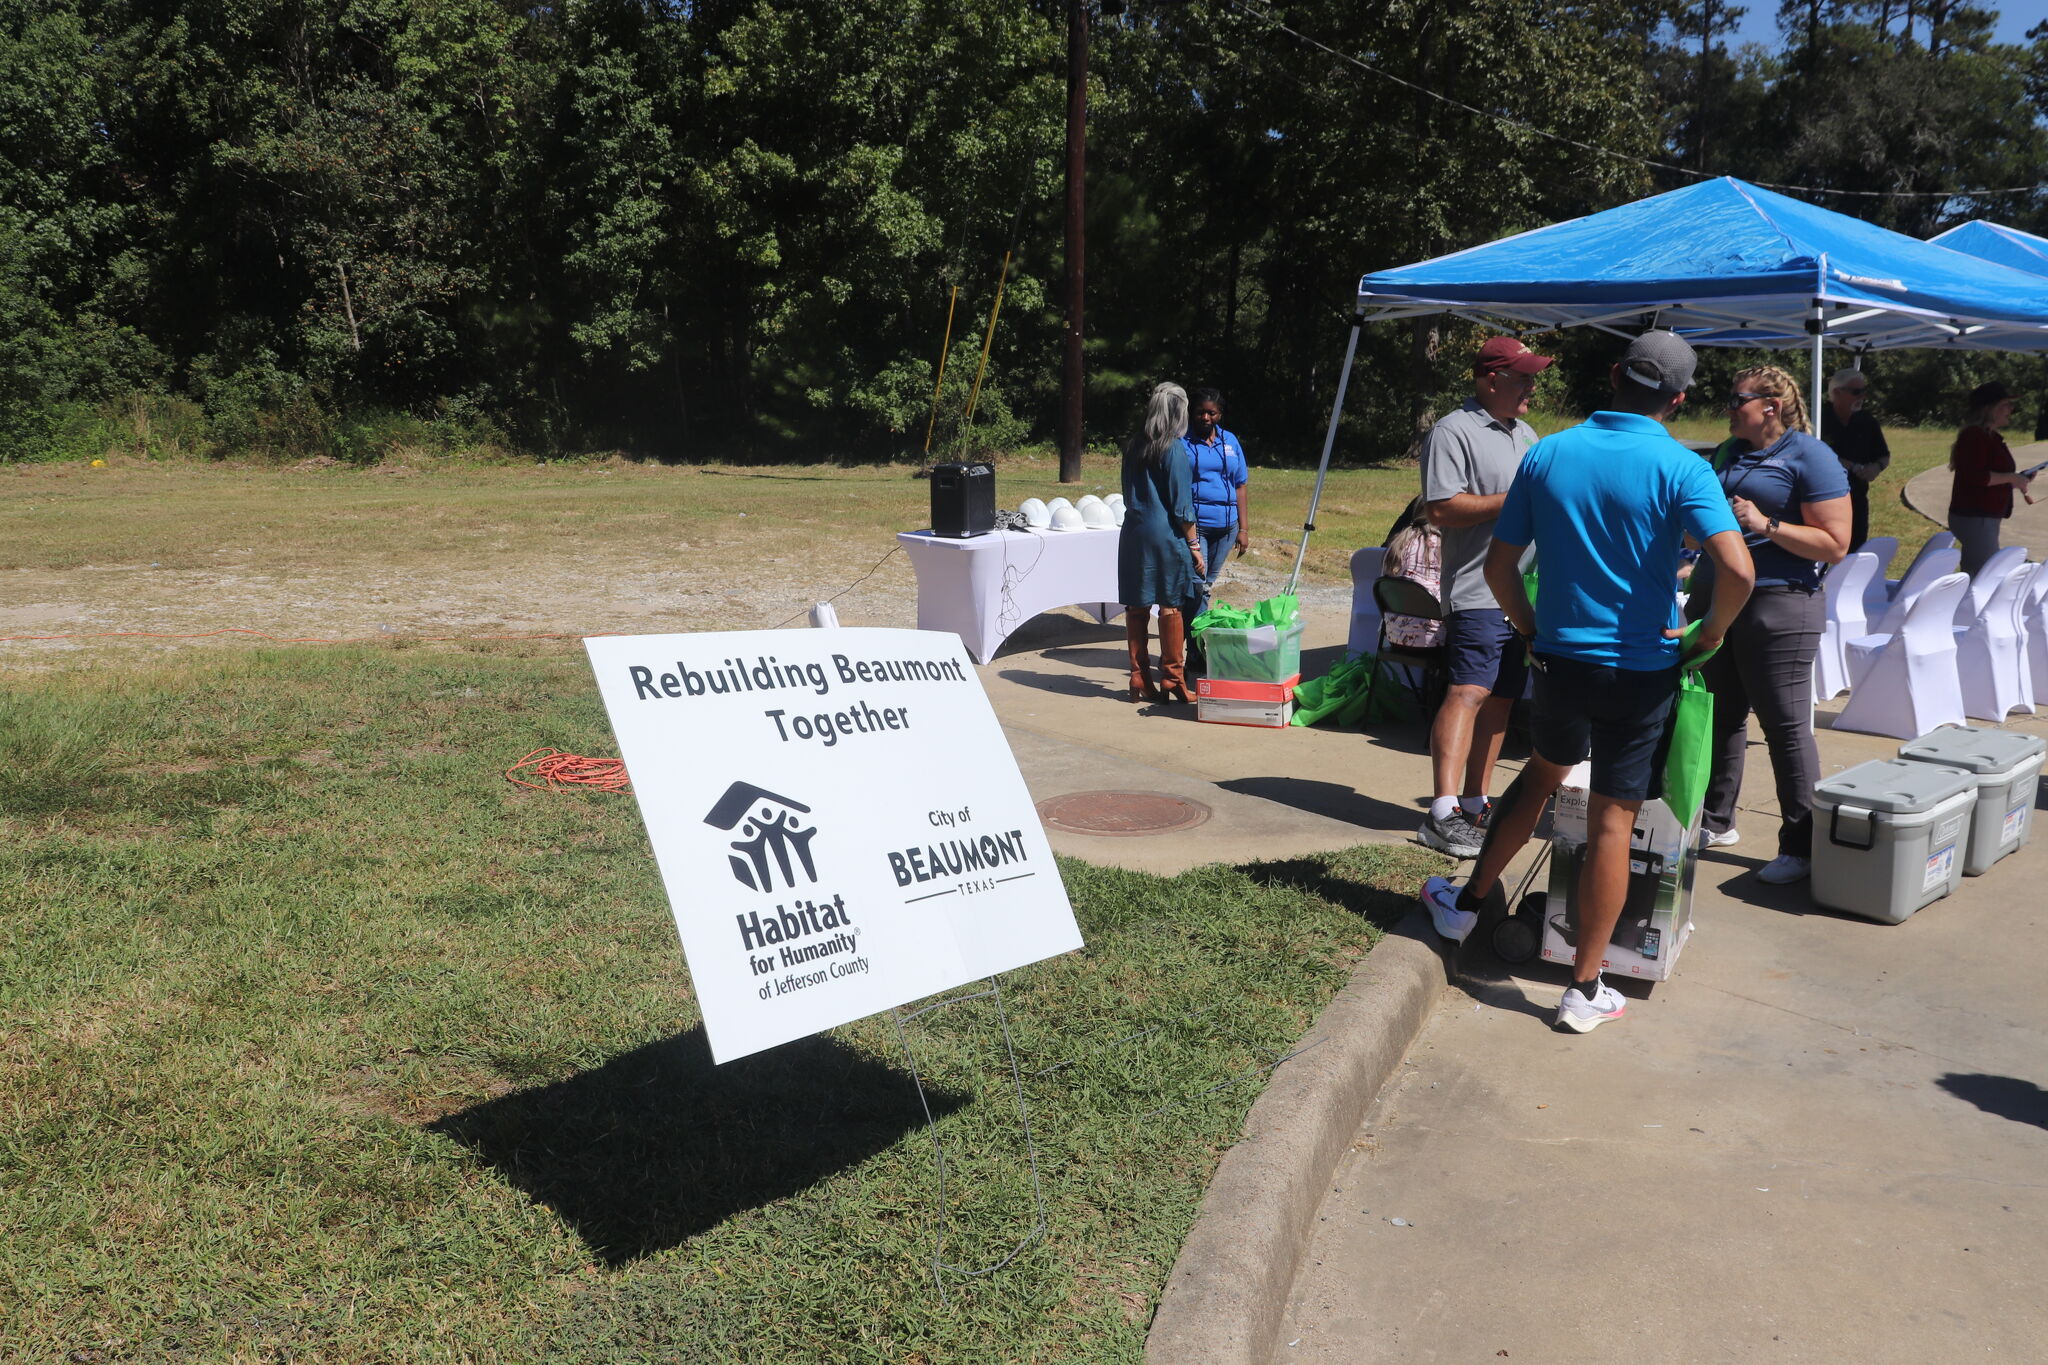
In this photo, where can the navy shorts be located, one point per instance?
(1482, 650)
(1618, 715)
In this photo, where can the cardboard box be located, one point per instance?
(1270, 715)
(1656, 919)
(1230, 689)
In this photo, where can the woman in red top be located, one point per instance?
(1985, 476)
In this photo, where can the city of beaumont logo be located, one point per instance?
(775, 842)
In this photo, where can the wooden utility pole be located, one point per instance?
(1072, 376)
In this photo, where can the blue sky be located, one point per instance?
(1760, 24)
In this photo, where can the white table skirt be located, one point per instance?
(984, 587)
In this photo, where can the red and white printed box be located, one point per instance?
(1227, 689)
(1271, 715)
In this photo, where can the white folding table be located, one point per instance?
(983, 587)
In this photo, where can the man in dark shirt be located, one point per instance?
(1858, 442)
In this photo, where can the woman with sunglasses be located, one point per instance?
(1791, 499)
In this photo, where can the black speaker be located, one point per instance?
(963, 500)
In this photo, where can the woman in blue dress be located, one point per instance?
(1159, 556)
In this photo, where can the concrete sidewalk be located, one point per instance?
(1823, 1140)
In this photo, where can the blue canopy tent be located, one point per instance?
(1722, 263)
(1996, 242)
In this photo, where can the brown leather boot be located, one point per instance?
(1173, 654)
(1138, 634)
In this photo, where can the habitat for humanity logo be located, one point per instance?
(771, 838)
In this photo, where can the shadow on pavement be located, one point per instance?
(1111, 685)
(1329, 798)
(1055, 630)
(2009, 1097)
(658, 1144)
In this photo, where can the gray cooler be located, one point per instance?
(2008, 771)
(1888, 837)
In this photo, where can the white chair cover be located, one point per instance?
(1987, 581)
(1939, 541)
(1886, 548)
(1844, 587)
(2034, 614)
(1991, 655)
(1911, 684)
(1929, 566)
(1365, 610)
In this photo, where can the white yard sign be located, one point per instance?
(838, 821)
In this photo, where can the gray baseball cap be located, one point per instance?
(1660, 360)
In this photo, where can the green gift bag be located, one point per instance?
(1690, 758)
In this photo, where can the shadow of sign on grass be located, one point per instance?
(658, 1145)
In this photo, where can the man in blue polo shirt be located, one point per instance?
(1605, 503)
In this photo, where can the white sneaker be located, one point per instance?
(1440, 896)
(1581, 1015)
(1784, 870)
(1727, 838)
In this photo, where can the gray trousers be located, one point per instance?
(1976, 537)
(1766, 665)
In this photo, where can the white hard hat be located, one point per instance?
(1086, 499)
(1116, 507)
(1115, 500)
(1036, 513)
(1097, 513)
(1067, 519)
(1057, 503)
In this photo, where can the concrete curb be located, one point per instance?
(1934, 486)
(1227, 1295)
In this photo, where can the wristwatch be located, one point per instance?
(1771, 527)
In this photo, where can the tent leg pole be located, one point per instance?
(1323, 466)
(1813, 414)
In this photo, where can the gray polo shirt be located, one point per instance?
(1468, 451)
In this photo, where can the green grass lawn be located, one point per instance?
(320, 1041)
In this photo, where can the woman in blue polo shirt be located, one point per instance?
(1216, 461)
(1790, 496)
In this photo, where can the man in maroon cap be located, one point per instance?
(1468, 461)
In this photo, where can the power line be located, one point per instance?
(1276, 24)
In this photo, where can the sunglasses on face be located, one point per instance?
(1738, 398)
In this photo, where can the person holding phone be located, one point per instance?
(1980, 497)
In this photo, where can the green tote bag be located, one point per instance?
(1689, 758)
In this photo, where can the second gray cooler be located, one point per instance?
(2008, 771)
(1888, 836)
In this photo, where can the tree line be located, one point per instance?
(730, 229)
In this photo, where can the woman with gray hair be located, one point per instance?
(1159, 556)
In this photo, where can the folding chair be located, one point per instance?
(1991, 655)
(1987, 581)
(1926, 569)
(1885, 548)
(2034, 612)
(1910, 684)
(1423, 671)
(1844, 588)
(1936, 543)
(1365, 612)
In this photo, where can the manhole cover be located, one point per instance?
(1121, 813)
